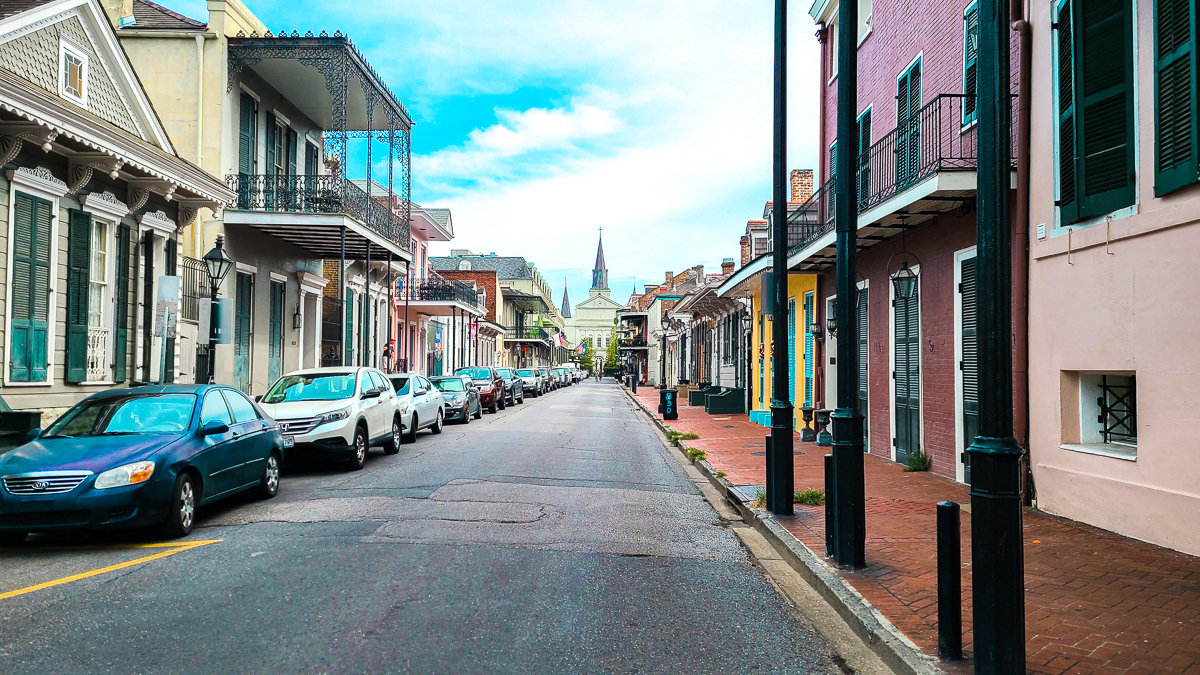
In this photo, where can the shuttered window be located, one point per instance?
(1095, 80)
(1175, 104)
(907, 376)
(349, 344)
(908, 126)
(809, 349)
(170, 268)
(863, 351)
(792, 350)
(121, 306)
(247, 125)
(30, 289)
(864, 160)
(79, 255)
(969, 365)
(970, 64)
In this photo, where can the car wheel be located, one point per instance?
(467, 414)
(392, 447)
(361, 445)
(12, 538)
(479, 412)
(437, 424)
(503, 403)
(181, 515)
(492, 408)
(412, 429)
(269, 487)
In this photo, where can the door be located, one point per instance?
(830, 354)
(907, 375)
(809, 319)
(310, 177)
(969, 363)
(908, 125)
(30, 300)
(380, 412)
(220, 458)
(349, 325)
(863, 352)
(241, 331)
(275, 345)
(251, 436)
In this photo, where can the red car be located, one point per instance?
(490, 385)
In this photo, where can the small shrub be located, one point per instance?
(720, 474)
(760, 500)
(689, 436)
(695, 454)
(811, 497)
(919, 461)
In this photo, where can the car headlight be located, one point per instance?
(130, 474)
(335, 416)
(457, 399)
(403, 408)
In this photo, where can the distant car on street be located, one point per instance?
(462, 400)
(421, 405)
(335, 414)
(530, 381)
(136, 457)
(489, 384)
(551, 383)
(514, 387)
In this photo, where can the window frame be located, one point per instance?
(66, 48)
(107, 299)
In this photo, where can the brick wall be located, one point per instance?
(486, 279)
(934, 245)
(330, 272)
(744, 245)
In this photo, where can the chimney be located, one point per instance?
(744, 242)
(670, 277)
(727, 266)
(699, 270)
(802, 184)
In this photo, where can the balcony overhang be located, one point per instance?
(746, 282)
(527, 303)
(440, 307)
(321, 234)
(490, 328)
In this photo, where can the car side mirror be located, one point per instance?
(213, 428)
(370, 393)
(33, 435)
(258, 399)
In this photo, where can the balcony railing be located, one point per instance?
(443, 291)
(633, 342)
(317, 194)
(933, 140)
(526, 333)
(196, 287)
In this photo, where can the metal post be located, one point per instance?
(849, 512)
(365, 353)
(342, 298)
(996, 546)
(409, 334)
(391, 304)
(212, 332)
(949, 575)
(829, 501)
(780, 479)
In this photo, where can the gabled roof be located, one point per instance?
(507, 267)
(151, 16)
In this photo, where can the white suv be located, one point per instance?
(335, 413)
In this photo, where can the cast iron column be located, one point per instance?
(996, 540)
(780, 478)
(849, 512)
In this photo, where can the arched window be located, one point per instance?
(464, 265)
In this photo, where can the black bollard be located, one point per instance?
(829, 503)
(949, 574)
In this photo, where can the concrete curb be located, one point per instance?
(887, 641)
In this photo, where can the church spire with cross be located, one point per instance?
(599, 271)
(566, 306)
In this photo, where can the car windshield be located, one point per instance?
(525, 373)
(449, 385)
(476, 373)
(311, 387)
(400, 384)
(126, 415)
(506, 373)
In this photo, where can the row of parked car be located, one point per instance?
(151, 455)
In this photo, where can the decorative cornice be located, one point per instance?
(106, 203)
(311, 282)
(38, 178)
(83, 165)
(157, 220)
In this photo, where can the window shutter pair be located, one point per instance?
(1095, 80)
(1175, 104)
(971, 65)
(246, 135)
(31, 289)
(121, 309)
(79, 253)
(864, 160)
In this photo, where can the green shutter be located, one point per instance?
(31, 288)
(272, 141)
(908, 104)
(971, 64)
(293, 142)
(1067, 199)
(246, 136)
(1104, 105)
(349, 346)
(121, 309)
(864, 160)
(171, 249)
(832, 160)
(275, 346)
(1176, 152)
(79, 253)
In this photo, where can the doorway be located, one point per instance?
(243, 312)
(906, 374)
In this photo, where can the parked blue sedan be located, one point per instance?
(143, 456)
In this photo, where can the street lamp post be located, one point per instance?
(997, 572)
(219, 263)
(780, 479)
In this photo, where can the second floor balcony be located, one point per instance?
(526, 334)
(442, 297)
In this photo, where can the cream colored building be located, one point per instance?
(595, 317)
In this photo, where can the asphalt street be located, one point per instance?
(558, 536)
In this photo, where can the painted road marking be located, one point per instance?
(174, 548)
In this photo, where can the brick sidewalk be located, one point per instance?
(1096, 602)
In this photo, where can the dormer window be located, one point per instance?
(72, 73)
(464, 265)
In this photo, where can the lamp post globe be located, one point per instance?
(219, 263)
(905, 282)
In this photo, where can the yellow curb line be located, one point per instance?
(175, 548)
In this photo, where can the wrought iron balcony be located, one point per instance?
(934, 140)
(327, 194)
(526, 333)
(633, 342)
(446, 290)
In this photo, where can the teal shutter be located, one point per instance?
(832, 160)
(1176, 152)
(293, 142)
(272, 142)
(1104, 105)
(864, 160)
(971, 64)
(79, 253)
(30, 289)
(809, 350)
(792, 350)
(241, 331)
(349, 328)
(863, 351)
(171, 252)
(121, 305)
(275, 348)
(908, 142)
(1068, 201)
(970, 358)
(246, 136)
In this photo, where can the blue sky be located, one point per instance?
(540, 121)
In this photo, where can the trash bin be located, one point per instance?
(668, 403)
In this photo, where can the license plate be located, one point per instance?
(289, 441)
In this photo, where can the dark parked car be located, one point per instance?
(514, 387)
(462, 399)
(489, 384)
(138, 457)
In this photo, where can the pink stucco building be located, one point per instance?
(1114, 329)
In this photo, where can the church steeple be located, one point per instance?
(566, 305)
(599, 271)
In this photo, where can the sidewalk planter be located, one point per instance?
(728, 401)
(696, 397)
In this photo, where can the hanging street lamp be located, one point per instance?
(904, 281)
(219, 263)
